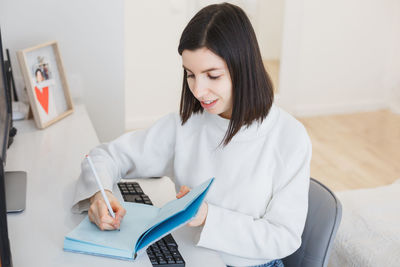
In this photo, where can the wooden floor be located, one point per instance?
(356, 150)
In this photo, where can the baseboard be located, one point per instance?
(336, 108)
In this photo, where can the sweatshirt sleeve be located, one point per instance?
(143, 153)
(278, 233)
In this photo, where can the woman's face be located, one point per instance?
(39, 77)
(209, 80)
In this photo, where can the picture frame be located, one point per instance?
(46, 83)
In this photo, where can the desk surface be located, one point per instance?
(51, 158)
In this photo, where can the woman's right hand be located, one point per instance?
(98, 211)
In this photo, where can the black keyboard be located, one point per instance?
(164, 252)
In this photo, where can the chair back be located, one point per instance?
(323, 219)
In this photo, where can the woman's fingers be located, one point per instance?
(118, 209)
(183, 191)
(200, 217)
(99, 214)
(119, 213)
(104, 214)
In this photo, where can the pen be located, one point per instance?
(101, 187)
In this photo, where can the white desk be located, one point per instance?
(51, 158)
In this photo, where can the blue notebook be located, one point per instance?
(141, 226)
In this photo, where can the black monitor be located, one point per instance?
(5, 123)
(12, 184)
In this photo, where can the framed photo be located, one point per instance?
(47, 86)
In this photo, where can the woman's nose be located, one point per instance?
(200, 89)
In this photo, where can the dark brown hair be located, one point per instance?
(226, 31)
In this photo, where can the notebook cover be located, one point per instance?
(136, 232)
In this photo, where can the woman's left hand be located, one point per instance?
(201, 215)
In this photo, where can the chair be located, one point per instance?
(323, 219)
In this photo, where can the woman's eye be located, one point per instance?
(189, 75)
(213, 77)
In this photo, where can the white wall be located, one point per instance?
(90, 36)
(392, 68)
(153, 67)
(339, 56)
(270, 28)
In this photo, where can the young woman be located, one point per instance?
(228, 128)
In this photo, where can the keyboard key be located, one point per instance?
(130, 198)
(179, 260)
(170, 241)
(161, 260)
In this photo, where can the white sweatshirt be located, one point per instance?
(258, 203)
